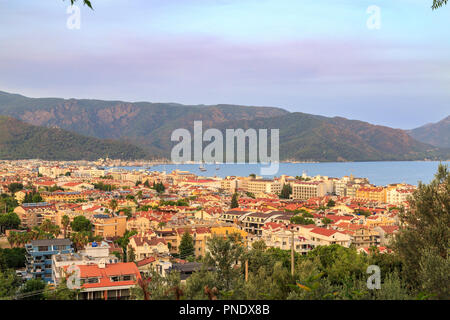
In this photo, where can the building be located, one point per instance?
(107, 281)
(377, 194)
(31, 214)
(398, 195)
(304, 190)
(109, 226)
(145, 246)
(93, 253)
(258, 186)
(39, 257)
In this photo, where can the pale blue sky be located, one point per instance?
(314, 56)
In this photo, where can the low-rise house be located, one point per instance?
(145, 246)
(107, 281)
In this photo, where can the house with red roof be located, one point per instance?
(107, 281)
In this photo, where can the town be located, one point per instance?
(116, 224)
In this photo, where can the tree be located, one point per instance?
(14, 187)
(9, 283)
(438, 3)
(85, 2)
(286, 191)
(161, 225)
(234, 201)
(48, 227)
(331, 203)
(9, 221)
(301, 220)
(124, 241)
(33, 290)
(326, 221)
(12, 258)
(80, 239)
(81, 223)
(223, 255)
(186, 248)
(113, 205)
(65, 222)
(61, 292)
(424, 236)
(131, 256)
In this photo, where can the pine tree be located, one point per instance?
(186, 246)
(234, 201)
(423, 240)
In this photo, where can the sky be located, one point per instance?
(316, 56)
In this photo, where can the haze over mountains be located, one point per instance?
(149, 126)
(437, 134)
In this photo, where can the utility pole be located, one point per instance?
(246, 260)
(292, 253)
(246, 270)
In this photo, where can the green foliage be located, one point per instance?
(85, 2)
(179, 203)
(331, 203)
(159, 287)
(124, 241)
(326, 221)
(32, 197)
(19, 140)
(286, 191)
(61, 292)
(423, 240)
(9, 221)
(234, 201)
(301, 220)
(104, 187)
(35, 287)
(250, 195)
(7, 203)
(9, 283)
(223, 256)
(438, 4)
(80, 224)
(186, 248)
(12, 258)
(14, 187)
(159, 187)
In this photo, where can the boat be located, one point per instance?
(202, 168)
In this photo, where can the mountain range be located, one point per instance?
(20, 140)
(437, 134)
(145, 129)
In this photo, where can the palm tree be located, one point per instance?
(12, 239)
(65, 221)
(80, 239)
(113, 205)
(161, 225)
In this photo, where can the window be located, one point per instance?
(93, 280)
(127, 278)
(114, 279)
(42, 248)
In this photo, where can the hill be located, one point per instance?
(309, 137)
(149, 126)
(436, 134)
(19, 140)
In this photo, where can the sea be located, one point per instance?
(380, 173)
